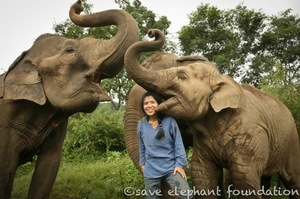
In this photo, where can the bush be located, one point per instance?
(95, 133)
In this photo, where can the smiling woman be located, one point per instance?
(162, 154)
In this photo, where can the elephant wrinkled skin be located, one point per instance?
(54, 79)
(237, 127)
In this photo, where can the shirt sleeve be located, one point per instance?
(180, 153)
(142, 148)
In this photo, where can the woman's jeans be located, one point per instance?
(179, 186)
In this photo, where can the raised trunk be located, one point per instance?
(147, 78)
(116, 47)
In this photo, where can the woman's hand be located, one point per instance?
(181, 171)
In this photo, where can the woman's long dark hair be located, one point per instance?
(159, 100)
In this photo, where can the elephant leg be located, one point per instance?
(206, 176)
(47, 164)
(246, 181)
(248, 160)
(290, 176)
(8, 166)
(289, 183)
(7, 177)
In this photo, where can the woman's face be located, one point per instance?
(149, 105)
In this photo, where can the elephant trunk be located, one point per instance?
(115, 48)
(133, 113)
(150, 80)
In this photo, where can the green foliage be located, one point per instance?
(281, 45)
(119, 86)
(227, 37)
(244, 43)
(145, 18)
(87, 178)
(96, 132)
(286, 86)
(67, 28)
(278, 44)
(282, 38)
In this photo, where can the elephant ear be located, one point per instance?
(22, 81)
(227, 94)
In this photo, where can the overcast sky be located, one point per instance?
(23, 21)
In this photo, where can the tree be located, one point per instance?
(277, 82)
(226, 37)
(281, 44)
(244, 43)
(119, 86)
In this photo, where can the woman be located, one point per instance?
(162, 154)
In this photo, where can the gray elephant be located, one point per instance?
(54, 79)
(237, 127)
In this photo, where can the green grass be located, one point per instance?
(88, 178)
(92, 178)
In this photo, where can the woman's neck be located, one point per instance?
(153, 121)
(152, 118)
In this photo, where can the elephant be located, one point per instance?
(236, 127)
(56, 78)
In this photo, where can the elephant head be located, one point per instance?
(174, 84)
(66, 72)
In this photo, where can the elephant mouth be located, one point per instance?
(168, 103)
(95, 79)
(173, 106)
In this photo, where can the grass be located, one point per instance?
(87, 178)
(91, 178)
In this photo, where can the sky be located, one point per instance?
(23, 21)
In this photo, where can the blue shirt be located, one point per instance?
(160, 156)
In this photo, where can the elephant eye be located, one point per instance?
(182, 75)
(70, 49)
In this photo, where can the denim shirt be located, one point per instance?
(160, 156)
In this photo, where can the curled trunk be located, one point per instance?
(141, 75)
(115, 48)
